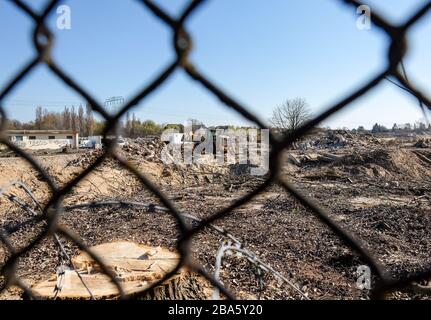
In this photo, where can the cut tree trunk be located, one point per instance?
(136, 267)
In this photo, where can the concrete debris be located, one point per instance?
(144, 148)
(312, 158)
(85, 159)
(335, 139)
(423, 143)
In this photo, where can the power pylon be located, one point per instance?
(114, 104)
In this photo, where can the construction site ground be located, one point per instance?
(376, 187)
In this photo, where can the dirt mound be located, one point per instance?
(383, 163)
(144, 154)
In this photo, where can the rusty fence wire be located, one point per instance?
(43, 41)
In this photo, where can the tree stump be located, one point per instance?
(136, 267)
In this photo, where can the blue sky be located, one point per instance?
(260, 52)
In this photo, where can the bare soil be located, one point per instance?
(377, 188)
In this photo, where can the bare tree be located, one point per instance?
(67, 121)
(81, 120)
(74, 119)
(39, 117)
(291, 114)
(128, 127)
(89, 127)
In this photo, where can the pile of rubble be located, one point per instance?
(423, 143)
(145, 148)
(85, 159)
(335, 139)
(138, 149)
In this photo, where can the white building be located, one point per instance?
(44, 139)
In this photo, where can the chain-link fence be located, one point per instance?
(43, 41)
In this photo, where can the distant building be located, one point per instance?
(40, 139)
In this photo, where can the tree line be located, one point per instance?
(135, 127)
(82, 120)
(79, 120)
(417, 127)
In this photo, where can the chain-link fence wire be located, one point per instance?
(43, 41)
